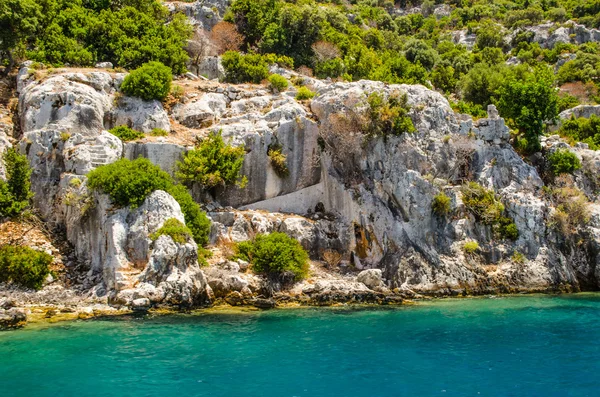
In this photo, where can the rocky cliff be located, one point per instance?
(366, 198)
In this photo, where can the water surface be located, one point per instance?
(517, 346)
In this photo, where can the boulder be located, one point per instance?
(371, 278)
(138, 114)
(12, 318)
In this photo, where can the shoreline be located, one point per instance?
(40, 316)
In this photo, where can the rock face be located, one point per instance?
(63, 119)
(138, 114)
(548, 34)
(367, 198)
(202, 13)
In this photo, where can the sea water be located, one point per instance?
(508, 346)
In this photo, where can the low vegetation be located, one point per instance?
(388, 116)
(582, 130)
(572, 212)
(150, 81)
(173, 228)
(212, 163)
(278, 161)
(470, 247)
(489, 210)
(130, 182)
(304, 93)
(15, 192)
(278, 83)
(251, 67)
(441, 204)
(126, 134)
(24, 266)
(275, 253)
(158, 132)
(563, 161)
(127, 33)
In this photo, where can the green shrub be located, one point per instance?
(15, 192)
(441, 204)
(125, 133)
(278, 161)
(518, 257)
(173, 228)
(388, 116)
(130, 182)
(563, 161)
(278, 83)
(470, 247)
(488, 209)
(528, 102)
(158, 132)
(304, 93)
(582, 130)
(275, 253)
(150, 81)
(213, 163)
(474, 110)
(24, 266)
(126, 33)
(195, 219)
(249, 68)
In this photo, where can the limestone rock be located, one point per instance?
(68, 106)
(203, 112)
(370, 277)
(139, 114)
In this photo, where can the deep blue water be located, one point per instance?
(518, 346)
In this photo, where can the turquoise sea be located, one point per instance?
(509, 346)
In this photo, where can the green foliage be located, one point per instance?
(24, 266)
(173, 228)
(443, 78)
(213, 163)
(582, 130)
(388, 115)
(489, 210)
(158, 132)
(563, 161)
(567, 102)
(441, 204)
(195, 219)
(150, 81)
(470, 247)
(278, 161)
(304, 93)
(481, 85)
(16, 191)
(278, 82)
(127, 33)
(476, 111)
(125, 133)
(249, 68)
(275, 253)
(518, 257)
(529, 102)
(130, 182)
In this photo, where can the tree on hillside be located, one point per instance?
(529, 102)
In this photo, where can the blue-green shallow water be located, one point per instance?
(518, 346)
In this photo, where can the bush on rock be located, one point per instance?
(150, 81)
(15, 192)
(24, 266)
(275, 253)
(130, 182)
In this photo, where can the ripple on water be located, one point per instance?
(516, 346)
